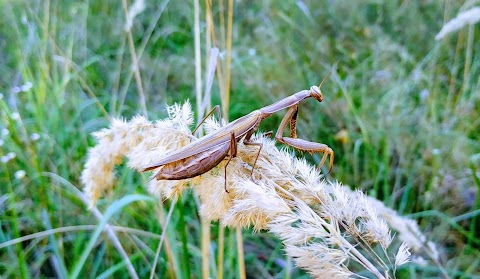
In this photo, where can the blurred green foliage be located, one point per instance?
(410, 107)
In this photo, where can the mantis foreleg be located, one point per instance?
(293, 123)
(300, 144)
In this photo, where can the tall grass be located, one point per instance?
(408, 106)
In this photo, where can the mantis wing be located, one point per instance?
(238, 127)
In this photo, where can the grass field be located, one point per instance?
(401, 112)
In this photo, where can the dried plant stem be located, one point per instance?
(205, 249)
(226, 105)
(116, 242)
(349, 248)
(172, 260)
(118, 245)
(146, 37)
(135, 65)
(92, 95)
(210, 37)
(288, 268)
(208, 23)
(221, 251)
(226, 97)
(151, 28)
(468, 57)
(205, 225)
(115, 109)
(221, 9)
(46, 233)
(241, 260)
(198, 58)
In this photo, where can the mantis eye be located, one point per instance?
(315, 89)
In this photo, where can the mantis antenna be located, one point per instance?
(329, 73)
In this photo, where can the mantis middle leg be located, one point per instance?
(233, 153)
(247, 141)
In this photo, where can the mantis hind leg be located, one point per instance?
(258, 153)
(219, 115)
(247, 141)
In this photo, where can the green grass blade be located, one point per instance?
(56, 250)
(112, 209)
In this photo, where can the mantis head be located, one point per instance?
(316, 93)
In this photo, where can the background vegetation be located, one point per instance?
(407, 107)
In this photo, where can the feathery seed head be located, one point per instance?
(326, 227)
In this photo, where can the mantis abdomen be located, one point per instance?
(194, 165)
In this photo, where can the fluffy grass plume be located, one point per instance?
(328, 229)
(131, 139)
(469, 17)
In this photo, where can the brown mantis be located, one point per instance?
(202, 155)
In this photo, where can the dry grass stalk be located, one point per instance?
(223, 75)
(328, 229)
(137, 8)
(200, 110)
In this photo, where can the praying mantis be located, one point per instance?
(204, 154)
